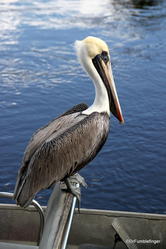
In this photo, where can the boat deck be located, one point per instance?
(91, 229)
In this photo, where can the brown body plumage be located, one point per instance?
(59, 150)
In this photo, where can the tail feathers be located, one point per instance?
(23, 202)
(23, 195)
(21, 179)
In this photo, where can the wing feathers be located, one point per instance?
(38, 138)
(63, 153)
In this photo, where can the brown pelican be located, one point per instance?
(70, 141)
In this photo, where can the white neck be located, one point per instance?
(101, 101)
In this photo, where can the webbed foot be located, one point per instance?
(73, 186)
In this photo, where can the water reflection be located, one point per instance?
(59, 14)
(20, 19)
(9, 22)
(145, 3)
(62, 14)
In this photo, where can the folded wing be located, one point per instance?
(59, 150)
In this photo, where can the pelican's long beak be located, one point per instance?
(106, 75)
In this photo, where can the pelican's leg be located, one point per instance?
(73, 185)
(77, 179)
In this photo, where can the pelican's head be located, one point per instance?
(95, 57)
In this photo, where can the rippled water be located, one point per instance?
(40, 78)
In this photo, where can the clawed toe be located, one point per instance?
(72, 185)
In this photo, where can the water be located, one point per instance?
(40, 78)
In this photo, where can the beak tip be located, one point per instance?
(121, 120)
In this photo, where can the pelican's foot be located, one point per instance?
(73, 185)
(77, 177)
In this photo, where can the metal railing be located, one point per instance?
(56, 202)
(38, 208)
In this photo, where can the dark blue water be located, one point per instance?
(41, 78)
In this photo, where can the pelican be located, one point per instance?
(69, 142)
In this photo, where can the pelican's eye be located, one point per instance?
(104, 56)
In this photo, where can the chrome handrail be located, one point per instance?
(36, 205)
(66, 235)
